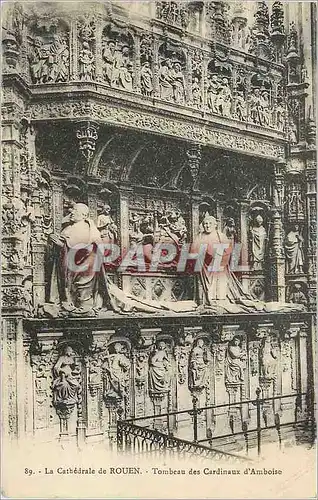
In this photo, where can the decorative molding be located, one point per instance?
(129, 118)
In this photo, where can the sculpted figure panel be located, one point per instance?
(199, 360)
(116, 367)
(235, 362)
(160, 370)
(258, 237)
(67, 381)
(294, 251)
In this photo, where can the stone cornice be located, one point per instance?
(110, 108)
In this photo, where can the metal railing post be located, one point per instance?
(258, 420)
(195, 418)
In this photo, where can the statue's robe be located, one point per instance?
(78, 288)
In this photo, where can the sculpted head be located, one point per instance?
(161, 345)
(68, 351)
(118, 347)
(79, 212)
(209, 224)
(259, 220)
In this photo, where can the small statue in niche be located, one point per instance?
(240, 106)
(268, 359)
(255, 106)
(86, 60)
(213, 90)
(258, 237)
(27, 217)
(160, 370)
(230, 230)
(196, 93)
(199, 366)
(117, 368)
(224, 98)
(36, 61)
(280, 116)
(166, 80)
(294, 251)
(292, 132)
(123, 66)
(106, 225)
(235, 362)
(146, 77)
(178, 84)
(295, 203)
(265, 109)
(109, 52)
(297, 295)
(67, 380)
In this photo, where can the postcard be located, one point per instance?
(158, 249)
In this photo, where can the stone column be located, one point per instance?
(123, 210)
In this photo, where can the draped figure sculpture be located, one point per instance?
(75, 289)
(160, 370)
(294, 251)
(235, 362)
(79, 284)
(258, 243)
(199, 366)
(116, 367)
(222, 291)
(67, 381)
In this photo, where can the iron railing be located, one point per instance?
(157, 432)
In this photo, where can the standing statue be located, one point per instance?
(213, 89)
(235, 362)
(240, 106)
(160, 370)
(199, 366)
(124, 67)
(86, 60)
(106, 225)
(75, 289)
(146, 79)
(294, 251)
(109, 60)
(67, 380)
(117, 367)
(268, 359)
(196, 93)
(178, 84)
(265, 109)
(224, 98)
(258, 237)
(255, 106)
(166, 80)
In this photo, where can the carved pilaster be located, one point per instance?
(312, 231)
(155, 67)
(73, 51)
(136, 64)
(276, 250)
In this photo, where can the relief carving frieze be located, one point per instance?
(202, 134)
